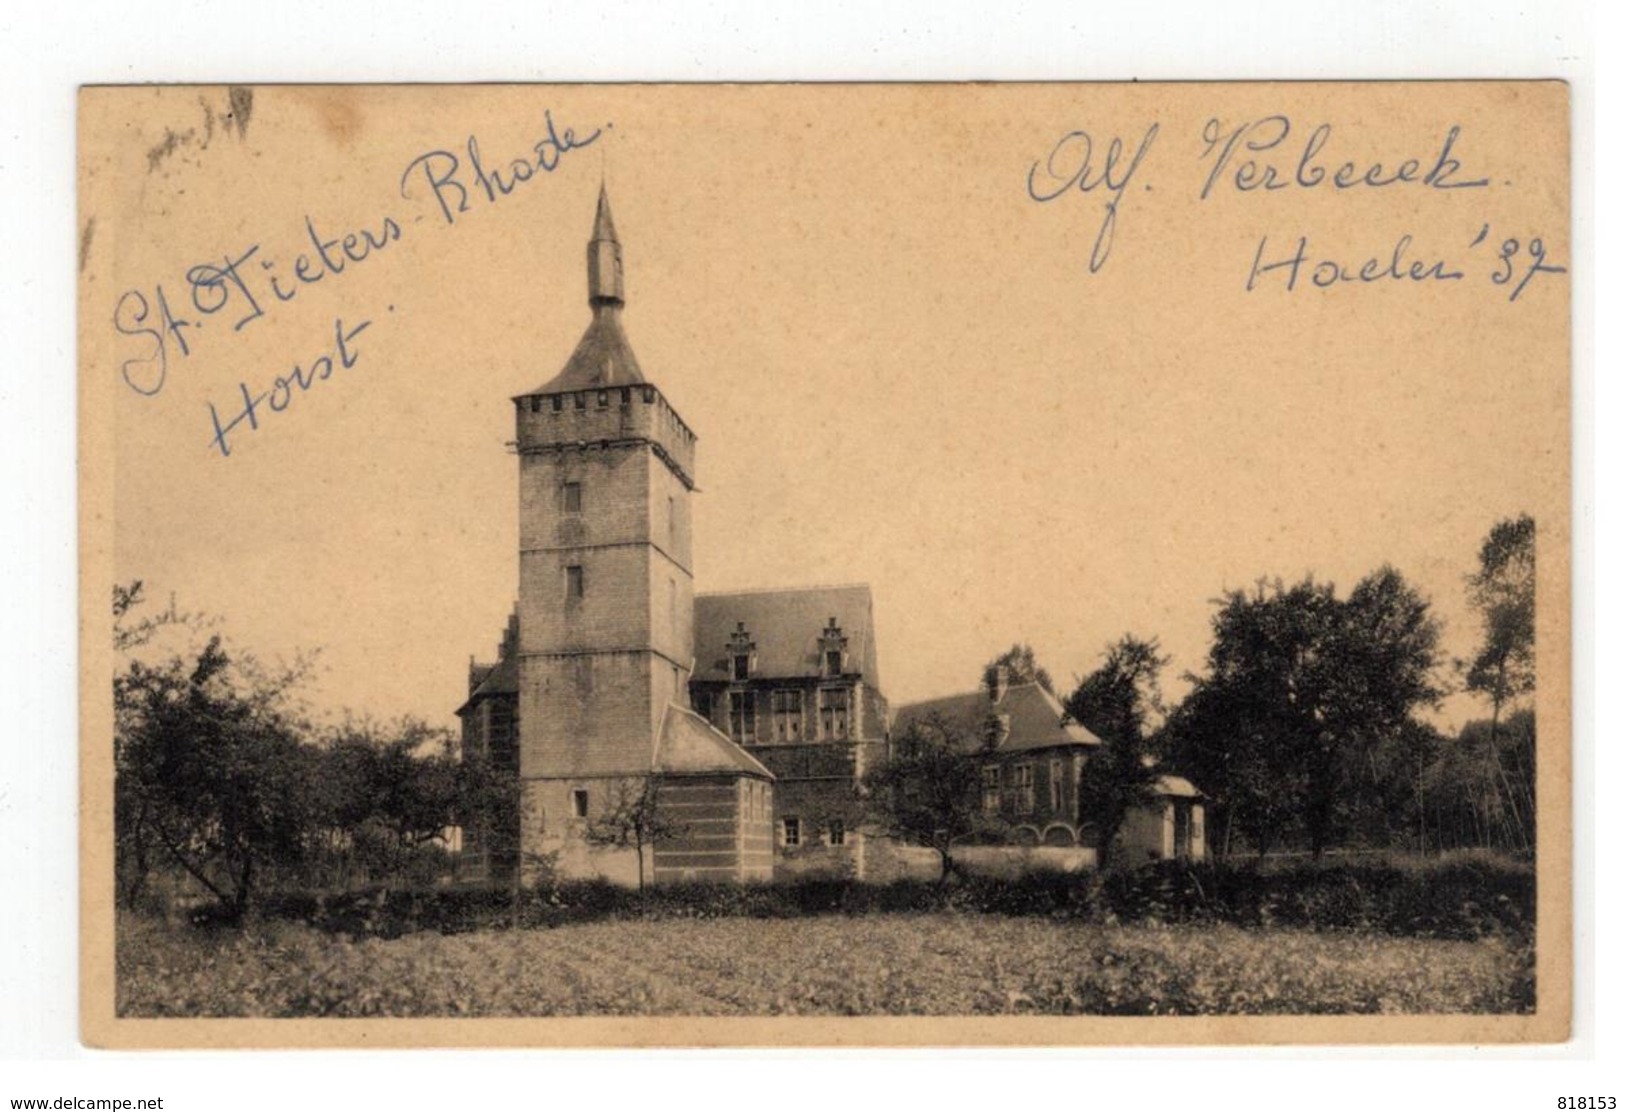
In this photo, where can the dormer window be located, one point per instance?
(741, 654)
(832, 648)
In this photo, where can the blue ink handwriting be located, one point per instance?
(1269, 136)
(1070, 166)
(442, 170)
(281, 393)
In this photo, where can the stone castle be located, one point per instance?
(754, 715)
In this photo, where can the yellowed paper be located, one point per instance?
(1034, 363)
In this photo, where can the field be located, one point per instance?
(940, 963)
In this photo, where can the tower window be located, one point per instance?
(626, 396)
(1055, 785)
(572, 498)
(558, 402)
(603, 399)
(581, 401)
(574, 582)
(578, 803)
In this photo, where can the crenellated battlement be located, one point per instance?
(603, 417)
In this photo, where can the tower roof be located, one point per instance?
(603, 226)
(603, 357)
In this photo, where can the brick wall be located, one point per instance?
(724, 829)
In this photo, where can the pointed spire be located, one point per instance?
(604, 226)
(604, 282)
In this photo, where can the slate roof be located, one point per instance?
(1035, 723)
(501, 678)
(1035, 718)
(786, 626)
(602, 358)
(689, 745)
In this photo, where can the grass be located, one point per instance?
(885, 964)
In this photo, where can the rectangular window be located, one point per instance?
(837, 832)
(603, 399)
(990, 789)
(742, 716)
(671, 521)
(834, 713)
(575, 584)
(1022, 788)
(581, 401)
(578, 803)
(702, 704)
(558, 402)
(572, 498)
(1055, 786)
(786, 716)
(741, 666)
(832, 662)
(792, 831)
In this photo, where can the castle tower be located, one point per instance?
(606, 595)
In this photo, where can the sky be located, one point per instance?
(904, 369)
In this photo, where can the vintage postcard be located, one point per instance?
(825, 564)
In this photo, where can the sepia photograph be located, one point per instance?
(881, 564)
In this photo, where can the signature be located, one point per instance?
(1071, 166)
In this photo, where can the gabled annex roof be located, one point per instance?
(689, 745)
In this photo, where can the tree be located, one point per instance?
(1302, 691)
(1502, 590)
(633, 819)
(1117, 703)
(1021, 666)
(928, 791)
(209, 769)
(392, 792)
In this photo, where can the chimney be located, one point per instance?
(1001, 683)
